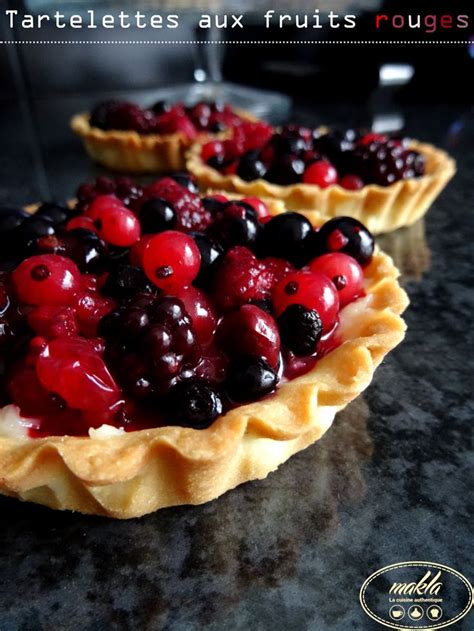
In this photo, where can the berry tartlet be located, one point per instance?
(159, 348)
(385, 182)
(126, 137)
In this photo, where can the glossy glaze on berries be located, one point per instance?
(144, 306)
(295, 155)
(164, 118)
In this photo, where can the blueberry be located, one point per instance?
(161, 107)
(157, 215)
(249, 378)
(27, 233)
(100, 113)
(194, 403)
(236, 225)
(57, 213)
(212, 205)
(300, 329)
(187, 181)
(284, 236)
(216, 126)
(11, 218)
(346, 235)
(285, 170)
(250, 167)
(211, 251)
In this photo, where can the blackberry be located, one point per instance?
(249, 378)
(125, 281)
(300, 329)
(284, 236)
(194, 403)
(385, 162)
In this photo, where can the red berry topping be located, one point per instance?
(71, 368)
(242, 278)
(211, 149)
(259, 206)
(372, 137)
(352, 182)
(250, 331)
(191, 215)
(344, 271)
(86, 223)
(313, 290)
(200, 310)
(171, 260)
(52, 321)
(321, 173)
(47, 279)
(91, 307)
(116, 224)
(102, 202)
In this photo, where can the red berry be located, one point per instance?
(91, 307)
(72, 369)
(117, 226)
(28, 393)
(47, 279)
(372, 137)
(137, 250)
(52, 321)
(201, 312)
(313, 290)
(351, 182)
(344, 271)
(171, 260)
(241, 277)
(259, 206)
(103, 202)
(250, 331)
(82, 222)
(211, 149)
(321, 173)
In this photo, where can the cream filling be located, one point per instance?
(15, 427)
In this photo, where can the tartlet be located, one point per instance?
(382, 208)
(127, 474)
(131, 150)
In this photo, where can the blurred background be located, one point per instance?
(43, 84)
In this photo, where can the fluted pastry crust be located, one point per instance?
(131, 152)
(379, 208)
(139, 472)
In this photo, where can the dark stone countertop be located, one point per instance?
(389, 482)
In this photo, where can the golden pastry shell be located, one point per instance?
(131, 152)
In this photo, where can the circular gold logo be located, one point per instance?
(416, 595)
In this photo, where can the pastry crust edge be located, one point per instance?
(136, 473)
(380, 208)
(131, 152)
